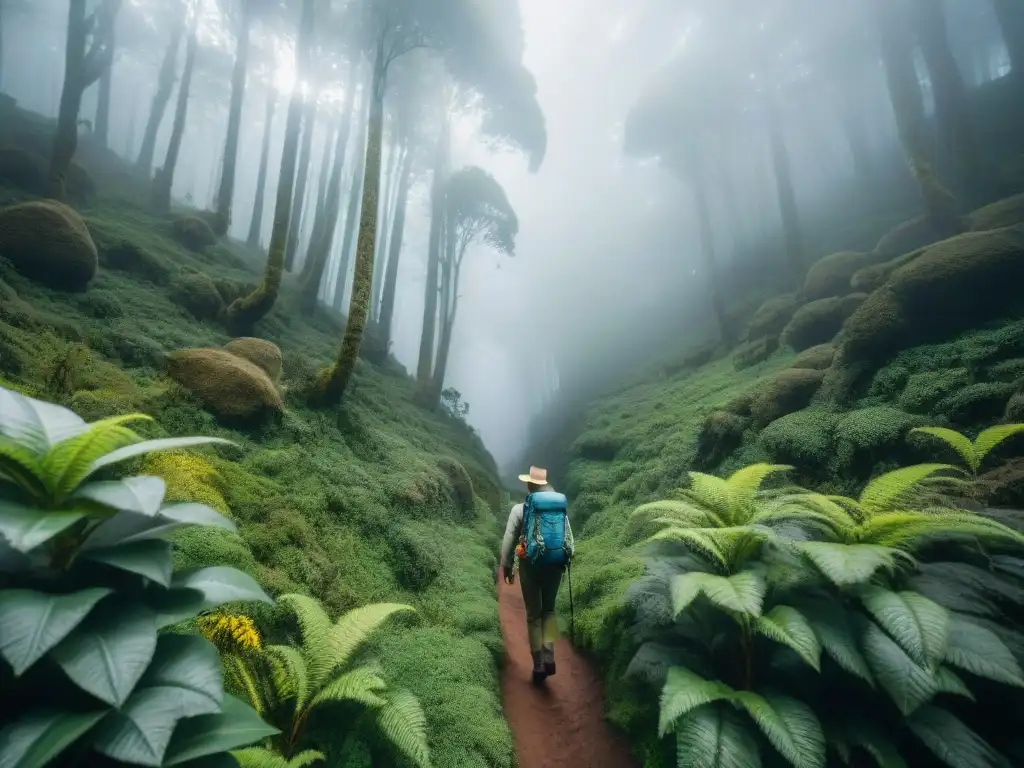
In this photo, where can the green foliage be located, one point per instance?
(88, 584)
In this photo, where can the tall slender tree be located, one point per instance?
(390, 289)
(164, 86)
(256, 220)
(301, 183)
(101, 127)
(355, 198)
(1011, 20)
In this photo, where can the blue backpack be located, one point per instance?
(545, 514)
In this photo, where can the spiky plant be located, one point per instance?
(289, 684)
(86, 585)
(973, 452)
(779, 625)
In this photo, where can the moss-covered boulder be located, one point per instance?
(227, 385)
(23, 170)
(981, 403)
(128, 257)
(817, 358)
(196, 293)
(260, 352)
(1003, 213)
(772, 316)
(48, 242)
(753, 352)
(873, 277)
(803, 439)
(955, 285)
(790, 391)
(192, 232)
(869, 436)
(831, 275)
(720, 435)
(912, 235)
(923, 390)
(819, 321)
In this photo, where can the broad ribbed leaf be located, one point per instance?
(190, 513)
(69, 463)
(35, 424)
(980, 651)
(142, 494)
(953, 742)
(38, 738)
(955, 440)
(848, 564)
(235, 726)
(31, 623)
(127, 528)
(831, 624)
(789, 725)
(949, 681)
(741, 593)
(189, 662)
(220, 584)
(151, 559)
(683, 693)
(907, 684)
(403, 723)
(173, 605)
(22, 467)
(109, 652)
(869, 737)
(899, 486)
(920, 626)
(993, 436)
(716, 737)
(788, 626)
(152, 446)
(26, 528)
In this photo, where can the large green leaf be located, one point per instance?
(173, 605)
(715, 736)
(152, 446)
(955, 440)
(235, 726)
(69, 462)
(907, 684)
(893, 489)
(38, 738)
(189, 662)
(36, 424)
(832, 625)
(919, 625)
(847, 564)
(953, 742)
(149, 558)
(993, 436)
(110, 651)
(128, 527)
(684, 692)
(790, 726)
(869, 737)
(142, 494)
(22, 467)
(950, 682)
(980, 651)
(220, 584)
(31, 623)
(788, 626)
(740, 593)
(26, 528)
(189, 513)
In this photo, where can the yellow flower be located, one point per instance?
(230, 633)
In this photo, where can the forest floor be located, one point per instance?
(559, 723)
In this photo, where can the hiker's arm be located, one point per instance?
(508, 543)
(570, 542)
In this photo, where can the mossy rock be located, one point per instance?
(873, 277)
(831, 275)
(817, 358)
(720, 435)
(912, 235)
(923, 390)
(980, 403)
(753, 352)
(819, 321)
(24, 170)
(869, 436)
(227, 385)
(196, 293)
(1014, 412)
(789, 391)
(1002, 213)
(192, 232)
(135, 260)
(48, 242)
(772, 316)
(739, 404)
(803, 439)
(259, 352)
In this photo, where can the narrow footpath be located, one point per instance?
(559, 724)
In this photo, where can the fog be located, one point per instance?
(609, 274)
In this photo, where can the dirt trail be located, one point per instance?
(559, 724)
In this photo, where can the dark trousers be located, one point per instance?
(540, 588)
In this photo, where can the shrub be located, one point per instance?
(88, 585)
(48, 242)
(753, 352)
(803, 438)
(720, 435)
(976, 403)
(818, 357)
(868, 436)
(188, 477)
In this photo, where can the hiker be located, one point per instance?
(539, 536)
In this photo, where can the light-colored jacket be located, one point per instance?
(514, 532)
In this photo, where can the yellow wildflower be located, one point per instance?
(230, 633)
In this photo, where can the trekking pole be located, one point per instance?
(572, 613)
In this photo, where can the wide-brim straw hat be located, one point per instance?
(537, 476)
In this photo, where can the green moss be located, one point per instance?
(976, 404)
(924, 390)
(830, 276)
(803, 439)
(819, 321)
(772, 316)
(867, 436)
(789, 391)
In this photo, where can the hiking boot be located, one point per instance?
(539, 672)
(548, 657)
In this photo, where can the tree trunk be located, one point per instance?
(327, 162)
(386, 212)
(952, 111)
(1011, 20)
(301, 184)
(787, 198)
(81, 69)
(256, 221)
(450, 268)
(707, 249)
(334, 381)
(387, 302)
(165, 84)
(352, 215)
(245, 312)
(437, 217)
(226, 191)
(327, 220)
(101, 130)
(133, 116)
(163, 181)
(854, 128)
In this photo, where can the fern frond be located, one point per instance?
(362, 684)
(711, 492)
(905, 530)
(680, 513)
(920, 626)
(402, 721)
(22, 467)
(744, 483)
(790, 726)
(848, 564)
(955, 440)
(990, 438)
(289, 674)
(698, 540)
(684, 692)
(832, 626)
(741, 593)
(898, 488)
(810, 508)
(352, 629)
(315, 626)
(306, 758)
(786, 625)
(69, 462)
(240, 679)
(259, 757)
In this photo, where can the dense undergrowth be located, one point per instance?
(353, 506)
